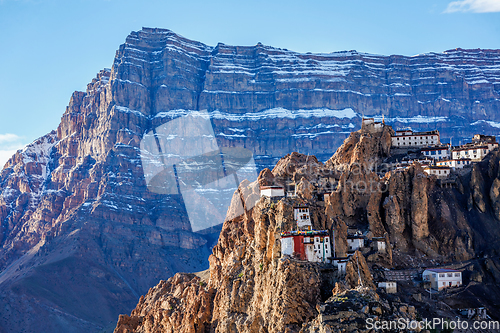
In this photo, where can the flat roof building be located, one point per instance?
(409, 139)
(441, 278)
(272, 191)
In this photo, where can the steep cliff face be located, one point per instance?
(410, 207)
(251, 288)
(276, 101)
(78, 213)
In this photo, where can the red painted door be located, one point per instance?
(298, 247)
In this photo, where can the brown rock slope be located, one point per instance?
(252, 289)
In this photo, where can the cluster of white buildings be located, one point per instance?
(445, 157)
(308, 244)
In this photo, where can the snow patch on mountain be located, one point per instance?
(263, 115)
(491, 123)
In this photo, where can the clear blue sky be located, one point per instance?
(50, 48)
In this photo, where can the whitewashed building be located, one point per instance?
(408, 138)
(455, 164)
(437, 153)
(355, 242)
(272, 191)
(378, 244)
(441, 278)
(287, 245)
(390, 287)
(480, 146)
(438, 171)
(473, 152)
(340, 263)
(319, 249)
(311, 245)
(302, 217)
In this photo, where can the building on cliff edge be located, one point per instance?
(439, 171)
(310, 245)
(272, 191)
(410, 139)
(441, 278)
(302, 217)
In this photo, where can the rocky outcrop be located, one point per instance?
(250, 287)
(406, 205)
(358, 310)
(255, 289)
(166, 309)
(251, 284)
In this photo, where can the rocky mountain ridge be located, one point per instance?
(77, 216)
(303, 101)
